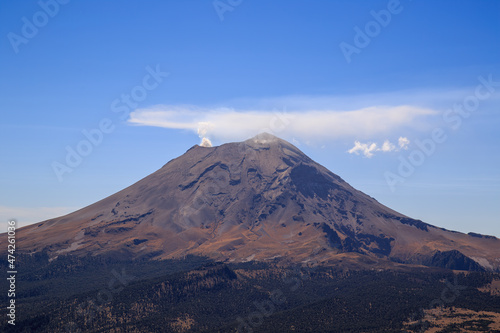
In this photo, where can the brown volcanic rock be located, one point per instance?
(259, 199)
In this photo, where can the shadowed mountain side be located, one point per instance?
(260, 199)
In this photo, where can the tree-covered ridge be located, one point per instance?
(95, 294)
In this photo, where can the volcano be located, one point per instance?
(261, 200)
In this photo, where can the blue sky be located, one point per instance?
(228, 69)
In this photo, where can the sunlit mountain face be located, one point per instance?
(251, 236)
(262, 200)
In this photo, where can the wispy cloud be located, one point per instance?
(368, 149)
(308, 125)
(434, 98)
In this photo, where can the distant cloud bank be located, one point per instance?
(29, 215)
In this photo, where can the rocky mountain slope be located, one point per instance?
(261, 199)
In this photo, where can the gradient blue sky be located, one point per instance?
(263, 57)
